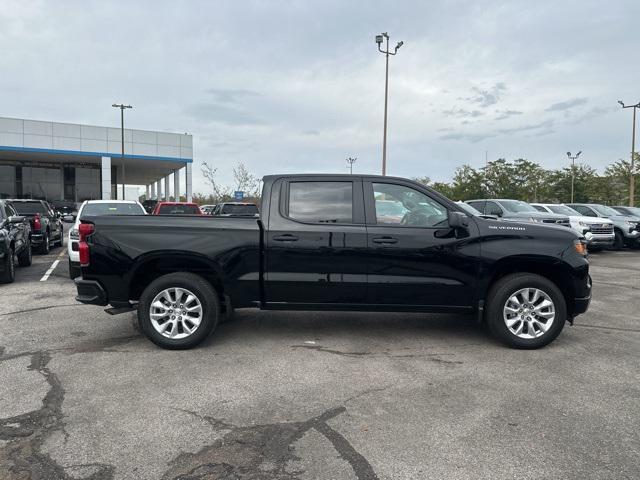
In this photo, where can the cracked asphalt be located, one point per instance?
(274, 395)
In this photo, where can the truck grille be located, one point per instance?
(601, 228)
(564, 222)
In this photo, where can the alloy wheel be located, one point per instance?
(175, 313)
(529, 313)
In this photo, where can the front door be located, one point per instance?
(316, 243)
(415, 259)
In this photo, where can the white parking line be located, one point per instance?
(52, 267)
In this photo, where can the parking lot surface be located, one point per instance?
(275, 395)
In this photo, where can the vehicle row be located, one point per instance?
(600, 225)
(26, 224)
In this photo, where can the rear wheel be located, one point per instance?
(525, 310)
(9, 273)
(25, 257)
(45, 248)
(178, 310)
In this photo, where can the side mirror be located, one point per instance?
(457, 219)
(15, 219)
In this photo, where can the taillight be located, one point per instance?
(84, 230)
(37, 223)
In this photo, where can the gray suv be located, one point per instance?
(518, 211)
(625, 227)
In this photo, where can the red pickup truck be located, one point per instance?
(176, 208)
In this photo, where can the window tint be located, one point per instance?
(586, 211)
(30, 208)
(111, 209)
(321, 202)
(235, 209)
(10, 210)
(492, 208)
(408, 207)
(477, 205)
(540, 208)
(178, 210)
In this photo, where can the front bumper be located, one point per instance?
(90, 292)
(599, 239)
(581, 304)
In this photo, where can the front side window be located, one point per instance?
(400, 205)
(492, 208)
(321, 202)
(606, 211)
(586, 211)
(517, 206)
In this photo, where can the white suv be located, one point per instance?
(95, 208)
(597, 231)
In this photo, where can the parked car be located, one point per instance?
(236, 209)
(471, 210)
(46, 226)
(68, 210)
(626, 228)
(629, 211)
(321, 244)
(517, 211)
(176, 208)
(15, 241)
(598, 233)
(96, 208)
(207, 209)
(149, 205)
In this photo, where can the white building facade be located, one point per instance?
(73, 162)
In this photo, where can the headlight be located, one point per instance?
(632, 224)
(583, 224)
(74, 234)
(534, 220)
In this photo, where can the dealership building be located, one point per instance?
(74, 162)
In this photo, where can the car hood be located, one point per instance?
(585, 219)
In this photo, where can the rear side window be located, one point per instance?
(321, 202)
(540, 208)
(178, 210)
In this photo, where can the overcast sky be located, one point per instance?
(289, 86)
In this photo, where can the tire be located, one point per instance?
(618, 242)
(195, 285)
(25, 257)
(74, 271)
(9, 273)
(499, 301)
(45, 248)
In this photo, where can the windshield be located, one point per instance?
(30, 208)
(635, 211)
(563, 210)
(111, 209)
(516, 206)
(178, 210)
(604, 210)
(231, 209)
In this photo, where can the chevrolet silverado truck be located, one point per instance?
(321, 243)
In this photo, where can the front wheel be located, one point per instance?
(618, 241)
(525, 310)
(178, 310)
(45, 248)
(9, 273)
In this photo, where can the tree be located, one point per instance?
(209, 174)
(245, 181)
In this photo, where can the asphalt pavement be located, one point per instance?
(323, 395)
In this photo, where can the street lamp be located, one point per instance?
(351, 161)
(633, 152)
(379, 39)
(121, 106)
(573, 170)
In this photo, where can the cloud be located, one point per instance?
(487, 97)
(547, 124)
(460, 112)
(223, 114)
(504, 114)
(225, 95)
(566, 105)
(471, 137)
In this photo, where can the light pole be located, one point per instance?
(632, 184)
(122, 106)
(379, 39)
(351, 161)
(573, 170)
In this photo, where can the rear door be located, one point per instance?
(416, 260)
(316, 242)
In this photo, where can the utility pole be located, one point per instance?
(386, 52)
(122, 106)
(633, 153)
(351, 161)
(573, 169)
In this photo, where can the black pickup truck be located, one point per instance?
(323, 242)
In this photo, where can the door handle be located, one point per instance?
(287, 237)
(385, 240)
